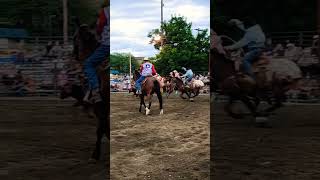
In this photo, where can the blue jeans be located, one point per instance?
(189, 79)
(99, 55)
(139, 82)
(249, 58)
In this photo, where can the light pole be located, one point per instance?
(50, 25)
(65, 22)
(130, 68)
(318, 27)
(198, 29)
(162, 15)
(161, 33)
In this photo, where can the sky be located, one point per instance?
(132, 20)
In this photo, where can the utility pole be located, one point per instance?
(130, 68)
(318, 28)
(65, 22)
(161, 24)
(198, 29)
(162, 15)
(50, 25)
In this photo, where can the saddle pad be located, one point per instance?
(198, 83)
(284, 68)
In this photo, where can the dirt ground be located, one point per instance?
(172, 146)
(288, 150)
(46, 139)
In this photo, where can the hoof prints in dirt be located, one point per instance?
(172, 146)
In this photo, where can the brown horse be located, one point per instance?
(84, 45)
(136, 76)
(150, 86)
(242, 87)
(177, 84)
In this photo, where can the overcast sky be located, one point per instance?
(131, 21)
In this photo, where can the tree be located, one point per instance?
(181, 48)
(120, 62)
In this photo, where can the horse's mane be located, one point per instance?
(85, 42)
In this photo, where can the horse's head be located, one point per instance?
(136, 75)
(84, 41)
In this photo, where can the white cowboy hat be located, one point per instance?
(290, 45)
(146, 59)
(235, 22)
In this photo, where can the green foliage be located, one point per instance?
(120, 62)
(181, 47)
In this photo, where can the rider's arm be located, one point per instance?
(243, 42)
(101, 21)
(141, 68)
(154, 72)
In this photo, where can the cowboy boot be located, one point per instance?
(86, 97)
(96, 97)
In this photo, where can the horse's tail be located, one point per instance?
(156, 85)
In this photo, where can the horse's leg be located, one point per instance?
(142, 102)
(278, 103)
(181, 95)
(228, 109)
(149, 97)
(252, 107)
(102, 127)
(160, 102)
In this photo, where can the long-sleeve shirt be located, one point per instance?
(147, 69)
(254, 38)
(103, 26)
(188, 74)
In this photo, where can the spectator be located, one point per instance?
(292, 52)
(315, 46)
(56, 50)
(278, 50)
(49, 47)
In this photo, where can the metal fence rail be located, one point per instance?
(300, 38)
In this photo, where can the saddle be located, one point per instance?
(145, 80)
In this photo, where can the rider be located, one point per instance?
(254, 38)
(146, 69)
(188, 75)
(100, 54)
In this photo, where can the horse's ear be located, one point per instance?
(77, 21)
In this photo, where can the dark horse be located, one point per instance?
(84, 45)
(177, 84)
(136, 76)
(241, 87)
(149, 86)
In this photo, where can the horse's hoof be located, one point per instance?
(161, 112)
(147, 111)
(191, 100)
(92, 161)
(261, 119)
(263, 122)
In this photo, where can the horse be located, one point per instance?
(150, 86)
(238, 86)
(84, 45)
(136, 76)
(177, 84)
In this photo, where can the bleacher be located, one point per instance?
(43, 73)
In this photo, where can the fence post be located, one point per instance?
(55, 79)
(300, 39)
